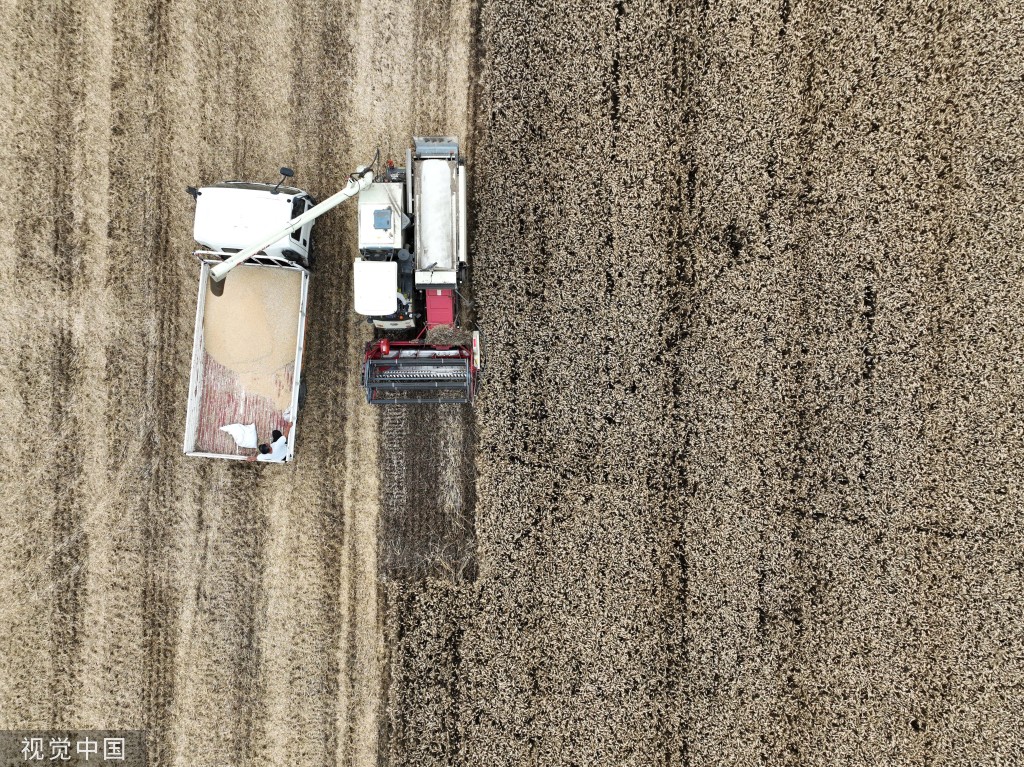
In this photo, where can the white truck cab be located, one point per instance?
(233, 215)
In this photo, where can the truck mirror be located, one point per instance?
(285, 173)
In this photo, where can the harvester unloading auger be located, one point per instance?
(413, 258)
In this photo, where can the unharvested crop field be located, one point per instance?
(742, 485)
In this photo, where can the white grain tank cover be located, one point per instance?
(436, 248)
(376, 287)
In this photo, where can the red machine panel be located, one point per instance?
(440, 308)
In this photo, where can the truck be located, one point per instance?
(409, 276)
(250, 327)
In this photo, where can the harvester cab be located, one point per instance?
(412, 261)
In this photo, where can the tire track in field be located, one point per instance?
(30, 478)
(110, 665)
(379, 112)
(117, 692)
(132, 622)
(223, 526)
(175, 510)
(321, 136)
(159, 522)
(214, 130)
(66, 567)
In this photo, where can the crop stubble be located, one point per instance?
(750, 436)
(230, 610)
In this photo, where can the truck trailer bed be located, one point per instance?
(225, 400)
(247, 357)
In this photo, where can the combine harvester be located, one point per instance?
(412, 245)
(412, 260)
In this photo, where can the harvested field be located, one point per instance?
(427, 495)
(230, 610)
(748, 449)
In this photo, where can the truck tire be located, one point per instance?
(302, 392)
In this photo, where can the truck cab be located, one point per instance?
(232, 215)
